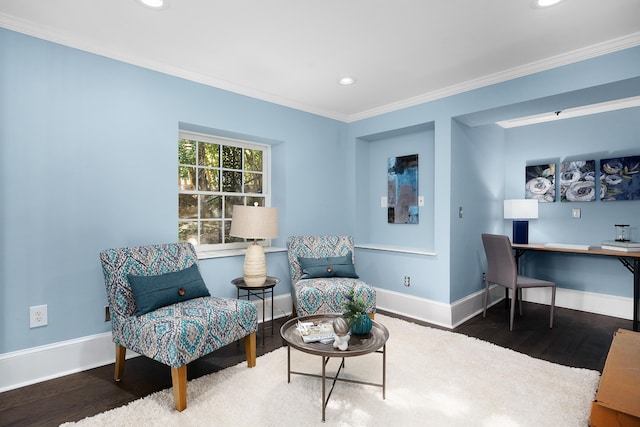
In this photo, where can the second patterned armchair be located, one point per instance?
(323, 272)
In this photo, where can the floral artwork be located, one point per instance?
(578, 181)
(540, 183)
(402, 176)
(620, 178)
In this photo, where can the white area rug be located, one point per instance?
(434, 378)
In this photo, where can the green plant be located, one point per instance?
(353, 307)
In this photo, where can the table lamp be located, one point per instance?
(254, 222)
(520, 210)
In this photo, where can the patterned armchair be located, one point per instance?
(318, 295)
(177, 333)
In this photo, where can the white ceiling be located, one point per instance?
(292, 52)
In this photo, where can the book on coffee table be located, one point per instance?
(313, 332)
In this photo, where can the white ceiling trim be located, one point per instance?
(610, 46)
(46, 33)
(585, 110)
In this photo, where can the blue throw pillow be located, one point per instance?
(340, 266)
(151, 292)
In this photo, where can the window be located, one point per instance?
(214, 174)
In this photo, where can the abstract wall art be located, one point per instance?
(578, 181)
(540, 182)
(620, 178)
(402, 183)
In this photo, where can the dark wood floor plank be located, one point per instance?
(578, 339)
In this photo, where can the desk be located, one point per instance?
(631, 260)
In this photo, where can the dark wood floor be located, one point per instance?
(578, 339)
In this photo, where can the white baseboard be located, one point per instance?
(25, 367)
(37, 364)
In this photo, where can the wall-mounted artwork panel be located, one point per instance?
(578, 181)
(540, 182)
(402, 176)
(620, 178)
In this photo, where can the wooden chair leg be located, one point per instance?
(121, 352)
(250, 349)
(179, 380)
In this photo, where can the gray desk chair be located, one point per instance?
(502, 270)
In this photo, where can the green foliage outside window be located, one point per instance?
(212, 177)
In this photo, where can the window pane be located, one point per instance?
(186, 178)
(186, 152)
(187, 206)
(228, 238)
(252, 160)
(210, 233)
(252, 182)
(231, 157)
(209, 154)
(210, 206)
(188, 232)
(209, 179)
(231, 182)
(252, 200)
(229, 201)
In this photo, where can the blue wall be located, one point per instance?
(88, 162)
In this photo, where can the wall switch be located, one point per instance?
(576, 212)
(383, 202)
(421, 201)
(38, 316)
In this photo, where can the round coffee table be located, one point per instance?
(374, 342)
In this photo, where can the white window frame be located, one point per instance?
(266, 184)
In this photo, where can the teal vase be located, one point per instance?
(361, 325)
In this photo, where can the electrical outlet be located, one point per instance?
(484, 276)
(38, 316)
(107, 313)
(407, 281)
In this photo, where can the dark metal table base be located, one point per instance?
(325, 360)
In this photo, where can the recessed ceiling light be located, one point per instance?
(547, 3)
(346, 81)
(155, 4)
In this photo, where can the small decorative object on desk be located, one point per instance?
(356, 315)
(622, 233)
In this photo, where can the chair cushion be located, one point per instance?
(151, 292)
(339, 266)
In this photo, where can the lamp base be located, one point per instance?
(254, 269)
(521, 232)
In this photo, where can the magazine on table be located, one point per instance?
(313, 332)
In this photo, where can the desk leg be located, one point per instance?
(636, 292)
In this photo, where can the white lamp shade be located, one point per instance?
(254, 222)
(521, 209)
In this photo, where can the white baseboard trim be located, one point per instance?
(37, 364)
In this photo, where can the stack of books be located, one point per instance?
(616, 245)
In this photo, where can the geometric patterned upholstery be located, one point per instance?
(179, 333)
(327, 294)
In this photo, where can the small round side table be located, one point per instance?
(261, 292)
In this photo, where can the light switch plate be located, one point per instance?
(576, 212)
(383, 202)
(421, 201)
